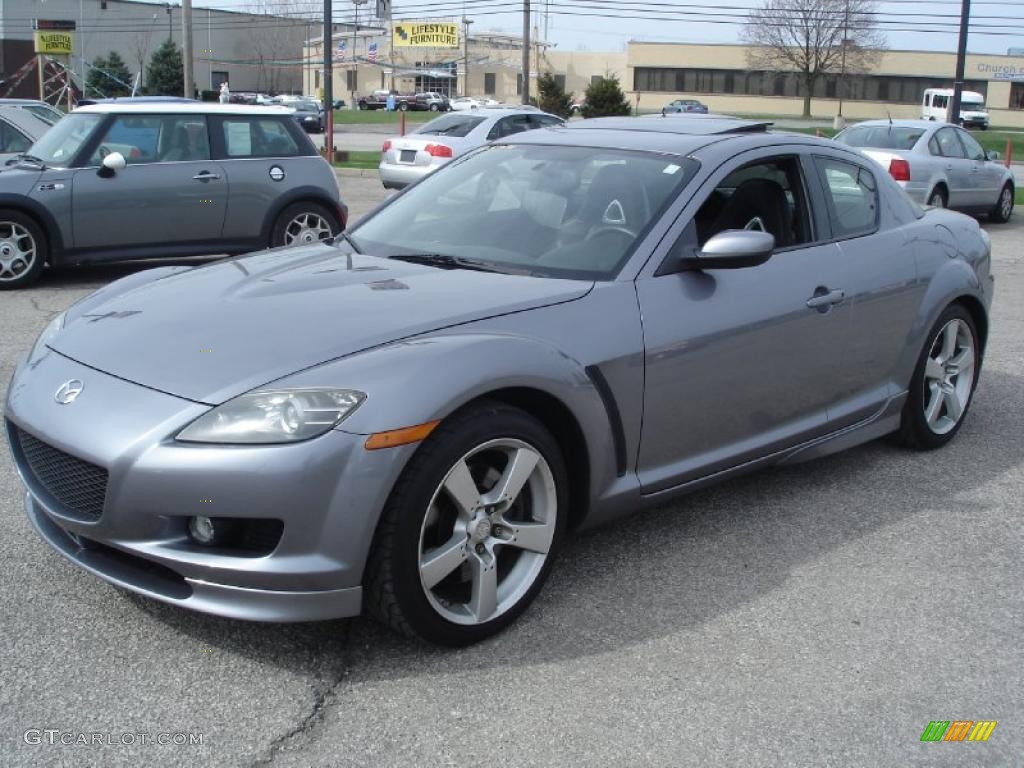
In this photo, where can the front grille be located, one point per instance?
(78, 486)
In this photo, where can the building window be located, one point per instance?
(519, 84)
(216, 78)
(1017, 96)
(490, 83)
(430, 83)
(595, 79)
(560, 81)
(351, 80)
(889, 88)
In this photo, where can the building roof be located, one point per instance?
(183, 107)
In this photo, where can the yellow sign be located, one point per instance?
(55, 41)
(420, 34)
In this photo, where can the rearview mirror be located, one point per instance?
(992, 155)
(112, 163)
(733, 249)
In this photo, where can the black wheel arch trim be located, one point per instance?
(34, 209)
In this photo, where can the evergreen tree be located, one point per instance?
(165, 75)
(108, 77)
(553, 98)
(606, 99)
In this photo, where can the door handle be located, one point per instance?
(824, 298)
(205, 176)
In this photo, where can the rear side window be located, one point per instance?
(508, 126)
(258, 137)
(451, 125)
(852, 197)
(949, 145)
(155, 139)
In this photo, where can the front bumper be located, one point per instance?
(328, 492)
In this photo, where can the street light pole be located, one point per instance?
(465, 56)
(328, 83)
(355, 61)
(526, 51)
(961, 57)
(186, 53)
(170, 22)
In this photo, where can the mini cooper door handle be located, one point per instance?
(824, 298)
(205, 176)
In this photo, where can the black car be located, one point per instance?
(308, 115)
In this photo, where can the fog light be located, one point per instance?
(211, 531)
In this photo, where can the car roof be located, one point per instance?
(182, 108)
(688, 125)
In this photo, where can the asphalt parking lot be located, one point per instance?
(819, 615)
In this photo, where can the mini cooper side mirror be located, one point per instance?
(733, 249)
(112, 163)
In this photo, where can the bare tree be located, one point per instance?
(814, 38)
(272, 42)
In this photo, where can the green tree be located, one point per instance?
(606, 99)
(553, 98)
(108, 77)
(165, 75)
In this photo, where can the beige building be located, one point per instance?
(719, 75)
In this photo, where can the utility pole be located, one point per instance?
(355, 61)
(526, 51)
(839, 122)
(328, 82)
(465, 56)
(170, 22)
(186, 45)
(961, 60)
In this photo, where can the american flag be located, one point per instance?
(371, 52)
(339, 53)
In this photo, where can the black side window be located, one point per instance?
(258, 137)
(852, 197)
(508, 126)
(971, 147)
(949, 144)
(767, 195)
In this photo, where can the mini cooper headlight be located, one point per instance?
(52, 329)
(273, 416)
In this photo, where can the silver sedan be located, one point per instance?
(558, 329)
(405, 159)
(937, 164)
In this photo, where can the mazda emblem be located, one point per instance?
(68, 391)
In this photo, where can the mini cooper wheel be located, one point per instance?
(471, 528)
(22, 250)
(943, 383)
(303, 224)
(1004, 206)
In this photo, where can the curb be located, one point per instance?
(365, 173)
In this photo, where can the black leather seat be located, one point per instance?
(757, 204)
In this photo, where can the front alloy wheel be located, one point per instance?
(307, 228)
(22, 250)
(471, 528)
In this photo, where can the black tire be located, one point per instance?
(402, 106)
(291, 212)
(434, 108)
(394, 592)
(362, 105)
(938, 198)
(914, 431)
(1003, 209)
(12, 222)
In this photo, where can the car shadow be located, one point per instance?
(103, 274)
(674, 567)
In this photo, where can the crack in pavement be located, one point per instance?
(324, 691)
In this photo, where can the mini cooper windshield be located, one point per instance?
(59, 145)
(551, 211)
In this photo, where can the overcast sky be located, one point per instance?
(902, 22)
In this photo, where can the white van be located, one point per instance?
(935, 105)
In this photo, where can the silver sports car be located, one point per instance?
(560, 328)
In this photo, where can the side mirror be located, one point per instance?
(112, 163)
(733, 249)
(992, 155)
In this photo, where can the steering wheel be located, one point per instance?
(611, 228)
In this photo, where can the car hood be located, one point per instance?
(214, 332)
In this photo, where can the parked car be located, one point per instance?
(376, 100)
(405, 159)
(935, 106)
(308, 115)
(121, 181)
(685, 106)
(937, 164)
(472, 102)
(40, 109)
(431, 101)
(577, 106)
(19, 130)
(561, 328)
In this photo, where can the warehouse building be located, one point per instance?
(254, 52)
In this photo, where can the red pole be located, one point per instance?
(817, 132)
(401, 123)
(1009, 152)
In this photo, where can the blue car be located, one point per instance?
(685, 105)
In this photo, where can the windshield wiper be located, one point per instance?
(451, 262)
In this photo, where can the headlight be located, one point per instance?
(273, 416)
(52, 329)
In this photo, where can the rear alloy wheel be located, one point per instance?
(303, 224)
(22, 250)
(943, 383)
(1004, 207)
(471, 529)
(938, 198)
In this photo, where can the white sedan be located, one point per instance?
(472, 102)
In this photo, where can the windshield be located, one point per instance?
(572, 212)
(60, 144)
(451, 125)
(881, 136)
(972, 106)
(46, 114)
